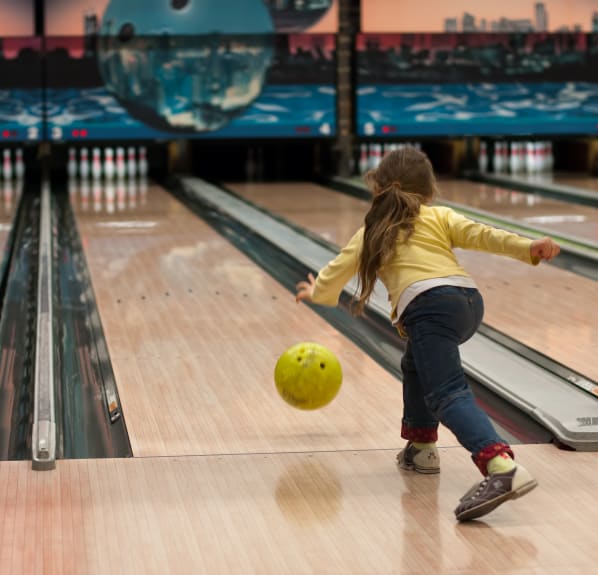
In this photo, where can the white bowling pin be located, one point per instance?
(84, 163)
(375, 156)
(121, 168)
(19, 164)
(483, 157)
(109, 167)
(514, 158)
(71, 165)
(530, 160)
(7, 165)
(142, 165)
(497, 157)
(131, 162)
(363, 159)
(96, 164)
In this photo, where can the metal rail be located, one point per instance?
(43, 448)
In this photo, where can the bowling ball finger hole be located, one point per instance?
(126, 32)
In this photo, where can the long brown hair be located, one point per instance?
(400, 184)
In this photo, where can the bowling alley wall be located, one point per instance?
(327, 78)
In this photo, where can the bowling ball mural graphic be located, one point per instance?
(185, 66)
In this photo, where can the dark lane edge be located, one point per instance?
(17, 329)
(93, 424)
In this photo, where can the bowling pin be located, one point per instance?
(7, 165)
(514, 158)
(19, 164)
(530, 161)
(375, 156)
(497, 157)
(84, 163)
(483, 157)
(363, 159)
(131, 162)
(96, 164)
(121, 168)
(71, 165)
(142, 166)
(109, 167)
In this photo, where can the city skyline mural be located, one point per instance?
(440, 16)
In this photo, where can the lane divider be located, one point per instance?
(43, 448)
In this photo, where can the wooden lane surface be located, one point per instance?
(346, 512)
(548, 309)
(575, 180)
(554, 216)
(194, 329)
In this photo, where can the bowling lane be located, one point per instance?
(557, 217)
(194, 329)
(548, 309)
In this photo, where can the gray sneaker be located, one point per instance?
(420, 460)
(494, 490)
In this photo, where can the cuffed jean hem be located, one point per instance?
(481, 458)
(419, 434)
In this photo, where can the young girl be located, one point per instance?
(408, 245)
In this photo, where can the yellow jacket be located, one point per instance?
(428, 254)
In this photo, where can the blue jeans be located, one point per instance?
(434, 385)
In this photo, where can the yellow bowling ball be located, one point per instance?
(308, 376)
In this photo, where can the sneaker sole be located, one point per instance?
(488, 506)
(418, 468)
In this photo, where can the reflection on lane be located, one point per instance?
(553, 215)
(108, 197)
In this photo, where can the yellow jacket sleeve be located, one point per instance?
(468, 234)
(334, 276)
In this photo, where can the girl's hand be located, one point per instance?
(305, 289)
(544, 249)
